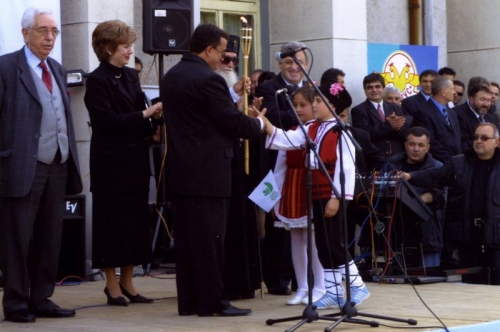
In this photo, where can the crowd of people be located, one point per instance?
(448, 150)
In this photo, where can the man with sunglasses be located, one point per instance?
(474, 111)
(459, 87)
(38, 166)
(472, 215)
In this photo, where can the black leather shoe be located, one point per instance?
(119, 301)
(279, 291)
(233, 311)
(55, 312)
(135, 298)
(20, 316)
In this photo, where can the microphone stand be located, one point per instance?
(348, 311)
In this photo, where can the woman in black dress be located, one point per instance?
(119, 162)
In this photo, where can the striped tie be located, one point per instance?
(445, 114)
(46, 78)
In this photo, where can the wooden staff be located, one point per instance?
(246, 42)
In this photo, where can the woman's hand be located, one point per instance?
(155, 111)
(332, 207)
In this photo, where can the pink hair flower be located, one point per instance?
(336, 88)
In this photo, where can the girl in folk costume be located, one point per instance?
(327, 221)
(291, 211)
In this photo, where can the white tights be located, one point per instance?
(298, 238)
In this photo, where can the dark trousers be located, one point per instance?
(475, 256)
(200, 228)
(30, 239)
(329, 236)
(277, 263)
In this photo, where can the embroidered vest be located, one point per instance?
(321, 187)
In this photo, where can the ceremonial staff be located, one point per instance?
(246, 41)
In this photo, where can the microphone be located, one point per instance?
(290, 52)
(280, 91)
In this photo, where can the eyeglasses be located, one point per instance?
(43, 31)
(228, 59)
(460, 94)
(483, 138)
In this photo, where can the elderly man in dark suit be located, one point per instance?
(38, 165)
(441, 121)
(290, 77)
(384, 121)
(202, 124)
(411, 105)
(473, 112)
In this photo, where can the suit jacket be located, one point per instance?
(389, 141)
(445, 139)
(411, 105)
(119, 160)
(468, 123)
(280, 114)
(20, 121)
(202, 124)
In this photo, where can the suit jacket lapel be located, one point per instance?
(26, 76)
(373, 111)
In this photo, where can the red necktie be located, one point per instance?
(46, 78)
(380, 113)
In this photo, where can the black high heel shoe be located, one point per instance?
(135, 298)
(119, 301)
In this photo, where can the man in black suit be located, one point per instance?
(441, 121)
(412, 104)
(290, 77)
(277, 260)
(202, 124)
(38, 165)
(474, 112)
(385, 122)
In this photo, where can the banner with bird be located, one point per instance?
(400, 65)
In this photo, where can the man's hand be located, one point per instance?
(257, 102)
(255, 113)
(426, 198)
(404, 175)
(238, 86)
(396, 121)
(332, 207)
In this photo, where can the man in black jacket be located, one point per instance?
(473, 208)
(385, 122)
(413, 231)
(202, 123)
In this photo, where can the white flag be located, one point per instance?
(267, 193)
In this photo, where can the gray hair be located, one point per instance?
(391, 89)
(492, 125)
(28, 20)
(292, 45)
(440, 83)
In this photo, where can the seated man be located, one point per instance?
(412, 231)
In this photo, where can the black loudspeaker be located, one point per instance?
(72, 260)
(166, 26)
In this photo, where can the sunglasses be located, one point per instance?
(460, 94)
(228, 59)
(482, 138)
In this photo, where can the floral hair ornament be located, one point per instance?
(336, 88)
